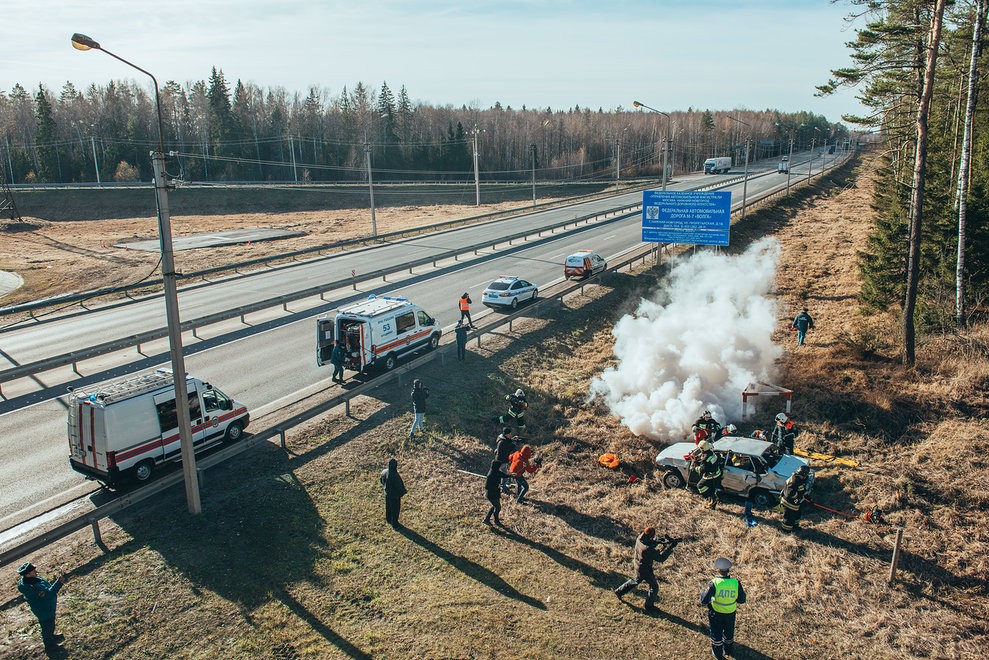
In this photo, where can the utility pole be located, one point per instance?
(789, 165)
(533, 176)
(667, 143)
(810, 163)
(96, 165)
(477, 180)
(745, 182)
(618, 159)
(291, 146)
(370, 184)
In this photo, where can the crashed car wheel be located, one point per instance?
(673, 479)
(763, 498)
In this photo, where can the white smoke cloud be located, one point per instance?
(695, 344)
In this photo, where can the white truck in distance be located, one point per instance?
(719, 165)
(376, 333)
(127, 429)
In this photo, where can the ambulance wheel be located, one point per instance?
(515, 303)
(144, 470)
(390, 362)
(673, 479)
(234, 432)
(434, 341)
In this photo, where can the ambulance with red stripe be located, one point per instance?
(125, 430)
(376, 333)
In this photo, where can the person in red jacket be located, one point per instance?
(520, 466)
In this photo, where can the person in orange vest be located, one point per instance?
(465, 309)
(520, 466)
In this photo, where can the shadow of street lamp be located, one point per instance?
(82, 42)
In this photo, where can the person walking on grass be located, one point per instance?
(337, 357)
(521, 466)
(720, 597)
(419, 395)
(42, 597)
(802, 322)
(461, 333)
(506, 445)
(492, 491)
(394, 492)
(647, 551)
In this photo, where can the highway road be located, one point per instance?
(274, 358)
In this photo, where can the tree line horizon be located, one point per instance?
(268, 134)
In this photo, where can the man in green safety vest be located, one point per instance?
(721, 596)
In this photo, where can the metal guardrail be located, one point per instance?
(74, 357)
(92, 518)
(317, 249)
(39, 540)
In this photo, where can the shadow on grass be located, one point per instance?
(324, 631)
(470, 569)
(602, 527)
(741, 650)
(599, 578)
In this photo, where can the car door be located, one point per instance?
(168, 421)
(739, 475)
(526, 290)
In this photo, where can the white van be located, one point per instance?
(127, 429)
(376, 332)
(583, 264)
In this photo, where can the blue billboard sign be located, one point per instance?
(690, 217)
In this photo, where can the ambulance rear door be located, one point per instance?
(324, 340)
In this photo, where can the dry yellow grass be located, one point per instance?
(292, 560)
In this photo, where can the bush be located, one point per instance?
(126, 172)
(870, 337)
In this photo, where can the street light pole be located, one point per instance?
(533, 176)
(745, 182)
(789, 165)
(810, 163)
(668, 142)
(82, 42)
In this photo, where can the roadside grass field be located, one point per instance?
(292, 559)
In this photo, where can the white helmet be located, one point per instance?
(704, 445)
(519, 392)
(731, 429)
(782, 418)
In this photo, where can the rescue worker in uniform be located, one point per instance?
(721, 596)
(337, 357)
(697, 458)
(647, 550)
(709, 476)
(517, 406)
(792, 497)
(42, 597)
(465, 302)
(461, 332)
(802, 322)
(729, 429)
(708, 423)
(784, 433)
(394, 492)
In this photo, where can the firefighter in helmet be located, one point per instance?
(517, 405)
(784, 433)
(793, 496)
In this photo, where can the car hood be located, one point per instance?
(788, 464)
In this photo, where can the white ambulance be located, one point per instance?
(376, 333)
(125, 430)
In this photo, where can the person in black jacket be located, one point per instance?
(461, 332)
(506, 445)
(793, 496)
(721, 597)
(647, 550)
(517, 405)
(492, 490)
(419, 395)
(394, 492)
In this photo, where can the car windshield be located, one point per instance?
(771, 456)
(498, 286)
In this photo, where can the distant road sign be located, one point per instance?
(688, 217)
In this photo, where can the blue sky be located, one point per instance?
(670, 55)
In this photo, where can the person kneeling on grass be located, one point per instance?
(520, 466)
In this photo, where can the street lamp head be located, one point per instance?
(636, 104)
(82, 42)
